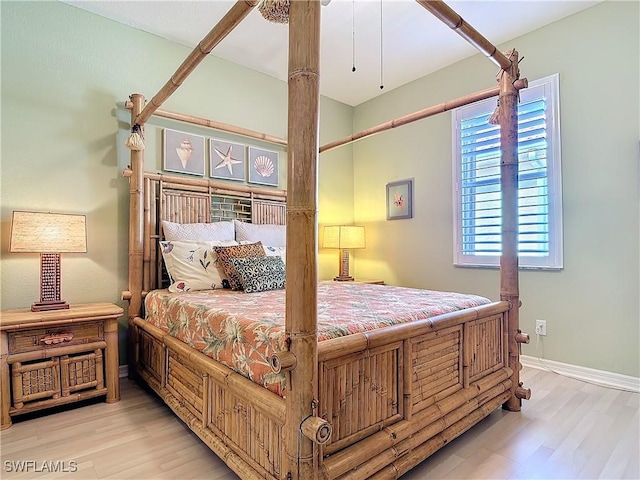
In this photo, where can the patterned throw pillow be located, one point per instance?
(193, 265)
(258, 274)
(225, 254)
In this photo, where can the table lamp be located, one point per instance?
(48, 234)
(345, 238)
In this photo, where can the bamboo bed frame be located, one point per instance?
(369, 405)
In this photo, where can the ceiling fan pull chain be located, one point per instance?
(381, 50)
(353, 36)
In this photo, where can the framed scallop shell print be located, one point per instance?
(183, 152)
(263, 166)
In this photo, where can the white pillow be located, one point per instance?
(276, 252)
(193, 265)
(268, 234)
(198, 232)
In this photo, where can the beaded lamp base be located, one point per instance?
(49, 284)
(344, 267)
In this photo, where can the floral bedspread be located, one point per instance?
(240, 330)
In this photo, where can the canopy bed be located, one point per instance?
(369, 401)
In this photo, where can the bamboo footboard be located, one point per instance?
(392, 396)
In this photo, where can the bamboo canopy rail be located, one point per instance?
(398, 122)
(454, 21)
(225, 127)
(301, 447)
(421, 114)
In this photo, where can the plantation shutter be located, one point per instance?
(481, 213)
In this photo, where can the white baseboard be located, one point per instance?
(591, 375)
(123, 371)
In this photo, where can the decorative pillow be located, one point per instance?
(276, 252)
(258, 274)
(268, 234)
(198, 232)
(225, 254)
(193, 265)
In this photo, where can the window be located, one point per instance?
(477, 207)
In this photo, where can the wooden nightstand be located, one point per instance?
(364, 280)
(56, 357)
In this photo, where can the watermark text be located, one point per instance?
(40, 466)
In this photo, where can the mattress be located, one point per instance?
(241, 330)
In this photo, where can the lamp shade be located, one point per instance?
(343, 236)
(38, 232)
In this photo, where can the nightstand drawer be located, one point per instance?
(22, 341)
(35, 380)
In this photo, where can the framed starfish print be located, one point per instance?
(183, 152)
(263, 166)
(227, 160)
(400, 199)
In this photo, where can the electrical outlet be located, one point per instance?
(541, 327)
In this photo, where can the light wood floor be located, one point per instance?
(569, 429)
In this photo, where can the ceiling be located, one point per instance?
(406, 42)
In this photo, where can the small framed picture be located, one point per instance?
(400, 199)
(263, 166)
(183, 152)
(227, 160)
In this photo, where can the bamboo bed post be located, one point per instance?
(300, 455)
(136, 233)
(509, 288)
(508, 120)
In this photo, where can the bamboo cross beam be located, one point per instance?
(225, 127)
(221, 126)
(424, 113)
(231, 20)
(454, 21)
(209, 185)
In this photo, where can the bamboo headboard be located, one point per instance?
(185, 200)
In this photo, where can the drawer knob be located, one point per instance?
(55, 338)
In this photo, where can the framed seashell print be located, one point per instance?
(263, 166)
(227, 160)
(183, 152)
(400, 199)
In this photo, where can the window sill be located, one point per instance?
(497, 267)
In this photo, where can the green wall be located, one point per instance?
(65, 76)
(591, 306)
